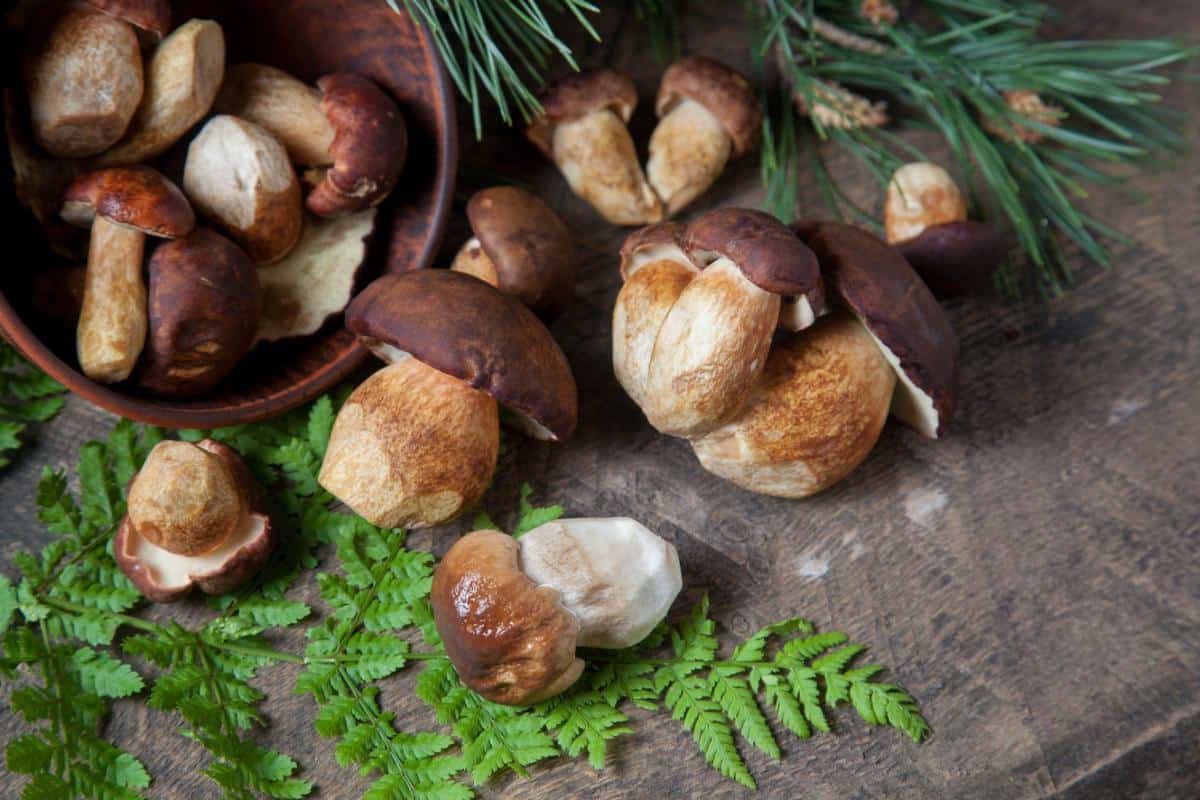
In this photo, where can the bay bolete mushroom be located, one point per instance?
(925, 218)
(239, 176)
(122, 206)
(193, 520)
(416, 444)
(874, 281)
(369, 147)
(85, 83)
(582, 129)
(521, 247)
(708, 113)
(813, 417)
(182, 79)
(512, 612)
(731, 269)
(204, 301)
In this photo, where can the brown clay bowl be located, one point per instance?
(308, 38)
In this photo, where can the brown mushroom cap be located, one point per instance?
(509, 639)
(579, 94)
(529, 246)
(726, 94)
(165, 577)
(204, 303)
(813, 417)
(661, 242)
(368, 150)
(152, 16)
(896, 306)
(764, 248)
(139, 197)
(474, 332)
(956, 257)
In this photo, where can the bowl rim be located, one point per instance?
(160, 413)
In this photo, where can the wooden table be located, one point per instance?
(1033, 578)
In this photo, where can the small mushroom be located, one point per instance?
(287, 107)
(193, 520)
(521, 247)
(582, 130)
(416, 444)
(369, 146)
(875, 282)
(812, 418)
(511, 613)
(85, 83)
(151, 18)
(122, 206)
(707, 113)
(925, 218)
(203, 307)
(315, 281)
(182, 79)
(238, 175)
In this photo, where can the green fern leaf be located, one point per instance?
(584, 721)
(800, 650)
(755, 647)
(530, 516)
(738, 703)
(687, 699)
(103, 675)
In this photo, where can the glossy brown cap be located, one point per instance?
(663, 241)
(765, 249)
(204, 302)
(236, 564)
(141, 198)
(151, 16)
(896, 306)
(956, 257)
(529, 246)
(509, 639)
(369, 148)
(724, 92)
(579, 94)
(468, 329)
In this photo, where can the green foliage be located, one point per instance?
(948, 71)
(26, 395)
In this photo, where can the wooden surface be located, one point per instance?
(1033, 578)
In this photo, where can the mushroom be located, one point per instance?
(712, 344)
(315, 281)
(287, 107)
(925, 218)
(204, 306)
(39, 180)
(193, 520)
(151, 18)
(369, 146)
(521, 247)
(812, 418)
(707, 113)
(239, 176)
(182, 79)
(582, 130)
(122, 206)
(416, 444)
(512, 612)
(875, 282)
(84, 82)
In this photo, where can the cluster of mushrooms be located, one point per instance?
(284, 177)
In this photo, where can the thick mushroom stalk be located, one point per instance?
(583, 130)
(511, 613)
(193, 520)
(925, 218)
(122, 206)
(708, 114)
(287, 107)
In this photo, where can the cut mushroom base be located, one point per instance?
(511, 613)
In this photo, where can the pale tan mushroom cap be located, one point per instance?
(919, 196)
(814, 416)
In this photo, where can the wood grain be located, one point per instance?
(1033, 578)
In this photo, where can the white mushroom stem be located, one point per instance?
(616, 576)
(287, 107)
(688, 152)
(472, 260)
(596, 155)
(112, 323)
